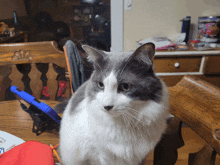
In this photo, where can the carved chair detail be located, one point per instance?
(22, 55)
(29, 56)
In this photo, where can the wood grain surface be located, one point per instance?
(40, 52)
(197, 103)
(17, 122)
(35, 81)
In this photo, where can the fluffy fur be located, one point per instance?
(119, 114)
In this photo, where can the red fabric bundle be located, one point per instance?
(28, 153)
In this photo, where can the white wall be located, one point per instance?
(117, 24)
(8, 6)
(150, 18)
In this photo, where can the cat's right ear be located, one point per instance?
(94, 55)
(145, 53)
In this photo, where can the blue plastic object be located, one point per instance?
(40, 105)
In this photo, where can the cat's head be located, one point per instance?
(122, 78)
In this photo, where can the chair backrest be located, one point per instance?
(197, 104)
(75, 65)
(32, 53)
(68, 69)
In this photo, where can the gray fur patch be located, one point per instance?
(60, 107)
(78, 97)
(145, 85)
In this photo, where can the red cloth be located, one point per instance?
(28, 153)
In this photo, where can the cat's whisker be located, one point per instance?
(126, 124)
(146, 117)
(138, 120)
(128, 120)
(125, 121)
(129, 114)
(136, 124)
(130, 117)
(142, 122)
(129, 125)
(135, 114)
(133, 110)
(140, 132)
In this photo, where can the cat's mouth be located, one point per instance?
(115, 113)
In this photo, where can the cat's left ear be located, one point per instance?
(94, 55)
(145, 53)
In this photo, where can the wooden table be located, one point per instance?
(17, 122)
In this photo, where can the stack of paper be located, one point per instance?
(158, 42)
(8, 141)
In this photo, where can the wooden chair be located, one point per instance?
(68, 69)
(30, 53)
(86, 66)
(196, 103)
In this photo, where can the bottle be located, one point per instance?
(186, 27)
(15, 18)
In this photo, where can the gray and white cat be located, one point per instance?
(119, 114)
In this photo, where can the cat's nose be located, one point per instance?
(109, 107)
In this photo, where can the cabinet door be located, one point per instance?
(212, 65)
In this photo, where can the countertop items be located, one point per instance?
(182, 47)
(190, 52)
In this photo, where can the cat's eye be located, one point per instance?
(100, 85)
(125, 87)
